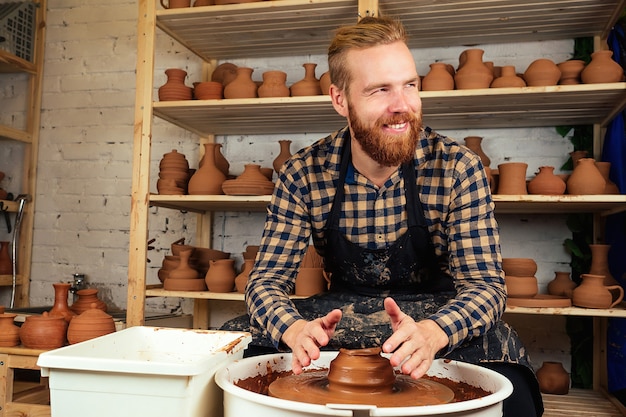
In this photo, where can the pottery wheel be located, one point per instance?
(312, 387)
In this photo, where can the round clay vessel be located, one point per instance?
(546, 183)
(9, 332)
(183, 270)
(512, 178)
(224, 73)
(472, 72)
(586, 178)
(542, 72)
(242, 278)
(605, 170)
(438, 78)
(570, 71)
(90, 324)
(520, 267)
(553, 378)
(242, 86)
(508, 78)
(325, 83)
(43, 332)
(592, 293)
(274, 84)
(360, 370)
(474, 143)
(602, 69)
(208, 179)
(562, 284)
(283, 155)
(61, 306)
(221, 275)
(521, 287)
(309, 85)
(175, 88)
(600, 262)
(87, 297)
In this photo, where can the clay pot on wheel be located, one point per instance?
(553, 378)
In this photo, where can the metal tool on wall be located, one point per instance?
(21, 199)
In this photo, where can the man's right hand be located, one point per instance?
(306, 337)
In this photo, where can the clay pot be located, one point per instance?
(43, 332)
(6, 266)
(9, 332)
(542, 72)
(577, 156)
(605, 170)
(546, 183)
(553, 378)
(208, 179)
(520, 267)
(521, 287)
(90, 324)
(309, 85)
(310, 281)
(602, 69)
(61, 306)
(183, 270)
(586, 178)
(474, 143)
(274, 84)
(224, 73)
(438, 78)
(175, 4)
(508, 78)
(174, 160)
(592, 293)
(242, 86)
(283, 155)
(221, 275)
(242, 278)
(209, 90)
(360, 370)
(325, 83)
(570, 71)
(562, 284)
(600, 262)
(175, 88)
(512, 178)
(472, 72)
(220, 160)
(87, 297)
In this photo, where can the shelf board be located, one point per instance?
(455, 109)
(10, 63)
(205, 203)
(618, 311)
(303, 27)
(8, 132)
(7, 280)
(206, 295)
(8, 205)
(581, 402)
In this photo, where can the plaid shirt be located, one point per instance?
(457, 205)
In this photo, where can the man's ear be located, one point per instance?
(338, 98)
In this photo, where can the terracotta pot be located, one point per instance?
(309, 85)
(512, 178)
(577, 156)
(438, 78)
(174, 160)
(310, 281)
(242, 278)
(175, 88)
(87, 297)
(283, 155)
(208, 179)
(472, 72)
(521, 287)
(274, 84)
(520, 267)
(602, 69)
(553, 378)
(183, 270)
(586, 178)
(542, 72)
(325, 83)
(220, 160)
(221, 275)
(43, 332)
(90, 324)
(570, 71)
(546, 183)
(9, 332)
(224, 73)
(605, 170)
(209, 90)
(175, 4)
(508, 78)
(474, 143)
(6, 266)
(592, 293)
(242, 86)
(562, 284)
(61, 307)
(600, 262)
(360, 370)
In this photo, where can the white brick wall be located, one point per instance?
(84, 178)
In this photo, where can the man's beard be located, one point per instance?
(387, 149)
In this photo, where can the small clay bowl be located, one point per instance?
(519, 267)
(521, 287)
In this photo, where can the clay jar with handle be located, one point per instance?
(9, 332)
(221, 275)
(586, 178)
(592, 293)
(43, 332)
(553, 378)
(602, 69)
(61, 306)
(87, 297)
(91, 323)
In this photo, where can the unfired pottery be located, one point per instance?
(542, 72)
(600, 262)
(472, 72)
(242, 278)
(310, 281)
(221, 275)
(183, 270)
(220, 160)
(521, 287)
(251, 182)
(90, 324)
(438, 78)
(208, 179)
(175, 88)
(586, 178)
(325, 83)
(605, 170)
(512, 178)
(474, 143)
(508, 78)
(283, 155)
(602, 69)
(562, 284)
(274, 84)
(570, 71)
(521, 267)
(175, 4)
(546, 183)
(209, 90)
(9, 332)
(592, 293)
(61, 306)
(309, 85)
(224, 73)
(87, 297)
(553, 378)
(242, 86)
(43, 332)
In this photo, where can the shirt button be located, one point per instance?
(380, 238)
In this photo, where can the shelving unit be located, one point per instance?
(29, 137)
(300, 27)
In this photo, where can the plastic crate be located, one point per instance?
(141, 371)
(17, 28)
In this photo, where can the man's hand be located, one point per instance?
(414, 343)
(306, 337)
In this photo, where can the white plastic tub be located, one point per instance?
(141, 371)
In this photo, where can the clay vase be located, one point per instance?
(438, 78)
(508, 78)
(6, 266)
(283, 155)
(605, 170)
(553, 378)
(61, 306)
(242, 86)
(600, 262)
(43, 332)
(562, 284)
(175, 88)
(9, 332)
(474, 143)
(208, 179)
(542, 72)
(310, 281)
(309, 85)
(274, 84)
(472, 72)
(183, 270)
(221, 275)
(512, 178)
(360, 370)
(570, 71)
(602, 69)
(592, 293)
(220, 160)
(242, 278)
(325, 83)
(87, 297)
(546, 183)
(90, 324)
(586, 178)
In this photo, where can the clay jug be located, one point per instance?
(570, 71)
(438, 78)
(6, 266)
(542, 72)
(221, 275)
(325, 83)
(242, 279)
(87, 297)
(508, 78)
(592, 293)
(208, 179)
(586, 178)
(310, 281)
(309, 85)
(283, 155)
(43, 332)
(562, 284)
(600, 262)
(512, 178)
(9, 332)
(546, 183)
(61, 306)
(242, 86)
(220, 160)
(274, 84)
(553, 378)
(183, 270)
(602, 69)
(91, 323)
(605, 170)
(175, 4)
(474, 143)
(175, 88)
(473, 73)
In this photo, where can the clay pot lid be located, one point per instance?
(93, 313)
(45, 316)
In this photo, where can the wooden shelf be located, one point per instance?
(8, 205)
(158, 291)
(10, 63)
(618, 311)
(7, 280)
(582, 403)
(8, 132)
(303, 27)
